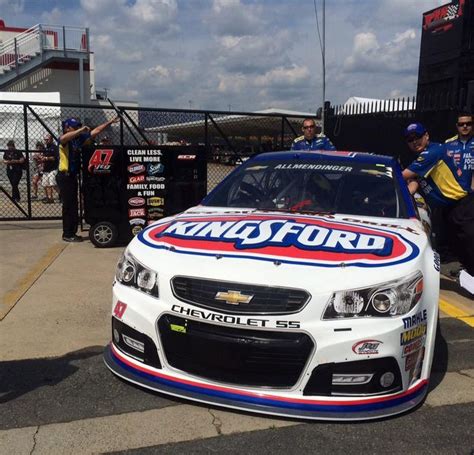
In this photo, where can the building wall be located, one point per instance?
(62, 77)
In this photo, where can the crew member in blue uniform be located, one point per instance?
(311, 141)
(461, 148)
(444, 186)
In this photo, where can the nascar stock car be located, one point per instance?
(303, 285)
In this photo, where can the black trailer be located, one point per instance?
(126, 188)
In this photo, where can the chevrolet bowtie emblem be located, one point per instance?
(233, 297)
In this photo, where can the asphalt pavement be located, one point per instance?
(56, 396)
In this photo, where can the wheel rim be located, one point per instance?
(103, 234)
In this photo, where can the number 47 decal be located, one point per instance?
(100, 160)
(119, 309)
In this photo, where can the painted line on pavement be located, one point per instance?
(455, 312)
(179, 423)
(133, 430)
(12, 297)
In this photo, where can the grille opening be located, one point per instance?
(232, 355)
(121, 333)
(265, 299)
(321, 380)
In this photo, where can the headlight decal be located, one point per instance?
(390, 299)
(132, 273)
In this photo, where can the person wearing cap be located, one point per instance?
(15, 161)
(310, 140)
(74, 137)
(445, 188)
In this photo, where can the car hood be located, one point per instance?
(276, 248)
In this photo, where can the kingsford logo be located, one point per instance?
(309, 240)
(258, 234)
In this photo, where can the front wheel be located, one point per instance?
(103, 234)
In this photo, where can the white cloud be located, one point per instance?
(368, 55)
(232, 17)
(293, 75)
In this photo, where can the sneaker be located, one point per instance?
(34, 197)
(74, 238)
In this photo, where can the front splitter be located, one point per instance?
(315, 408)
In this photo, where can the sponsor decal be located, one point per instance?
(155, 210)
(119, 309)
(412, 334)
(136, 168)
(235, 320)
(415, 320)
(155, 179)
(136, 213)
(136, 178)
(299, 239)
(100, 161)
(136, 201)
(155, 215)
(366, 347)
(136, 229)
(413, 347)
(156, 201)
(411, 361)
(186, 157)
(141, 221)
(155, 169)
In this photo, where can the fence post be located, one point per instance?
(64, 41)
(206, 137)
(40, 34)
(16, 56)
(28, 183)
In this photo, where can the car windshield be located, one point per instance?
(312, 186)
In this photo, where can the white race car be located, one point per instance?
(304, 285)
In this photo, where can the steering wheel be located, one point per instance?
(251, 190)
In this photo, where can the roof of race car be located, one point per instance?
(326, 155)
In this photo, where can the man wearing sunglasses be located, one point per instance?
(309, 140)
(461, 147)
(446, 188)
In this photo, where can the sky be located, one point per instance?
(241, 55)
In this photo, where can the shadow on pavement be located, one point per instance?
(440, 359)
(451, 285)
(19, 377)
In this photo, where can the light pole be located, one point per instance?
(324, 68)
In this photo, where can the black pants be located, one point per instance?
(461, 220)
(67, 184)
(14, 175)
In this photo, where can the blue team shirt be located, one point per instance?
(69, 153)
(463, 155)
(442, 182)
(317, 143)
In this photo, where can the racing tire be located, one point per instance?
(103, 234)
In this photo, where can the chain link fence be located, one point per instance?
(229, 139)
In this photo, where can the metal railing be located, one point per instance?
(33, 42)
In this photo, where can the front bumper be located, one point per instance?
(265, 403)
(226, 364)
